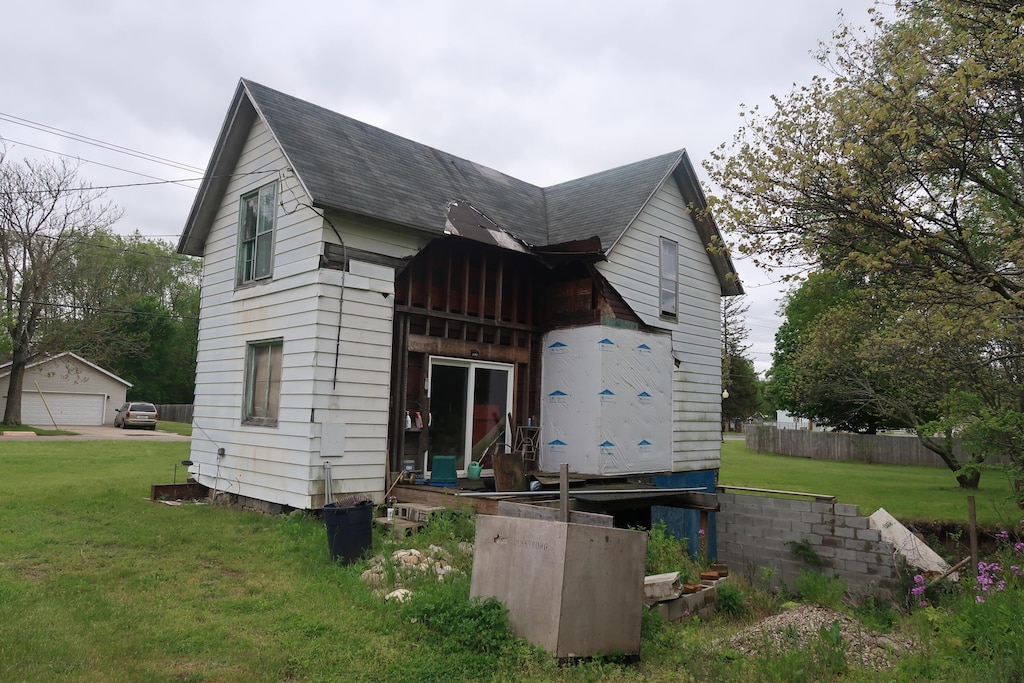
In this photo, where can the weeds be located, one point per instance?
(819, 589)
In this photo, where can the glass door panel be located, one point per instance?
(448, 389)
(468, 405)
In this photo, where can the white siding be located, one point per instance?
(299, 305)
(632, 268)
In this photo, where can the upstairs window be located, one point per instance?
(256, 234)
(668, 278)
(262, 383)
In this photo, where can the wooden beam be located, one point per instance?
(508, 508)
(457, 348)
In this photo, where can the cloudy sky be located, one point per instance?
(544, 91)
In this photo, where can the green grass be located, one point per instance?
(183, 428)
(97, 583)
(908, 493)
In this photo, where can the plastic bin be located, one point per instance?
(442, 471)
(349, 530)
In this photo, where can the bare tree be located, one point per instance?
(44, 210)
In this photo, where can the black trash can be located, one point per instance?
(349, 530)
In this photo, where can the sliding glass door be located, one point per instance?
(469, 402)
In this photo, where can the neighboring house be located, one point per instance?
(66, 389)
(370, 301)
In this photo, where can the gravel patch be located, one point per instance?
(800, 626)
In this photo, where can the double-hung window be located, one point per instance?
(256, 234)
(262, 383)
(668, 278)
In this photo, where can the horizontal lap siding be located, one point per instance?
(632, 269)
(359, 399)
(267, 463)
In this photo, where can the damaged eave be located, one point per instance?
(462, 219)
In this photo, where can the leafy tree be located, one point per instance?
(131, 304)
(44, 210)
(739, 379)
(903, 171)
(909, 161)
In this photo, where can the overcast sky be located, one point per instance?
(544, 91)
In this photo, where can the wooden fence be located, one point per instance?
(181, 412)
(880, 448)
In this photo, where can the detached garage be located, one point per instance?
(66, 389)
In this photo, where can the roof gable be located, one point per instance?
(350, 166)
(5, 368)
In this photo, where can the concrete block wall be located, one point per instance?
(753, 532)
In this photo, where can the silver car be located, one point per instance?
(136, 414)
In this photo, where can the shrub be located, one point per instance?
(448, 614)
(730, 600)
(816, 588)
(666, 553)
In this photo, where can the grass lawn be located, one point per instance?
(97, 583)
(183, 428)
(908, 493)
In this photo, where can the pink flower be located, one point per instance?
(978, 598)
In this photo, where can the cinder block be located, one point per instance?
(822, 508)
(843, 510)
(870, 535)
(857, 522)
(800, 527)
(844, 532)
(856, 566)
(823, 529)
(811, 517)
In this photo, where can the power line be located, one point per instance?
(96, 143)
(96, 309)
(86, 188)
(97, 163)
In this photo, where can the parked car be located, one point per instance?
(136, 414)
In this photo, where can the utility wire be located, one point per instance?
(96, 309)
(87, 188)
(97, 163)
(96, 143)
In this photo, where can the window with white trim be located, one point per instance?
(256, 234)
(668, 278)
(262, 383)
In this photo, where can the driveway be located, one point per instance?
(101, 433)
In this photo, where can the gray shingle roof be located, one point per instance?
(350, 165)
(354, 167)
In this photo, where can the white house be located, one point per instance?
(368, 300)
(65, 390)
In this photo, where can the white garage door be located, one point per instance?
(67, 408)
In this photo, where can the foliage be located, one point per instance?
(450, 618)
(805, 551)
(666, 553)
(44, 211)
(132, 306)
(739, 378)
(902, 175)
(730, 600)
(820, 589)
